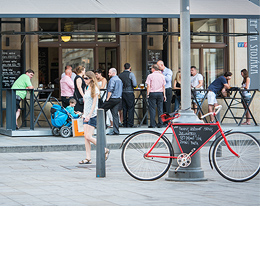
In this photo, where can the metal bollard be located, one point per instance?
(101, 144)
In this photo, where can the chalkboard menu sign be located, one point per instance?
(193, 136)
(11, 67)
(153, 57)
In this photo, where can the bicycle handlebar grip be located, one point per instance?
(218, 108)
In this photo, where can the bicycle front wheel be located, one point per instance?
(231, 167)
(145, 168)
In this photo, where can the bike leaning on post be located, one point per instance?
(147, 155)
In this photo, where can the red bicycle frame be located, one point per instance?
(170, 124)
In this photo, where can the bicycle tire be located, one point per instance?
(233, 168)
(139, 167)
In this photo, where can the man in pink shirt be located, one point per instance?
(155, 94)
(67, 88)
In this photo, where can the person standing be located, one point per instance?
(168, 86)
(246, 94)
(196, 81)
(66, 88)
(219, 84)
(113, 98)
(90, 115)
(155, 94)
(177, 91)
(128, 97)
(73, 74)
(102, 84)
(23, 82)
(79, 88)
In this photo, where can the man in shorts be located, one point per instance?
(23, 82)
(220, 84)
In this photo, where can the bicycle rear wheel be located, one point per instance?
(146, 168)
(231, 167)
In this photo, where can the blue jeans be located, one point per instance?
(177, 102)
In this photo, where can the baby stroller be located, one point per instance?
(61, 121)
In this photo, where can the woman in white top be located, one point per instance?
(90, 115)
(246, 94)
(102, 83)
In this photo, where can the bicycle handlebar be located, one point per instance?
(218, 108)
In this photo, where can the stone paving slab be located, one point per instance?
(56, 180)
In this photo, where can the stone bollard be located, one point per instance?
(101, 144)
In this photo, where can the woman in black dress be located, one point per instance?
(80, 87)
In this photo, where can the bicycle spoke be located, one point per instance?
(141, 167)
(234, 168)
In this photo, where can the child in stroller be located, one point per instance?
(61, 118)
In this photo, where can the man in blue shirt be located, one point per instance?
(113, 99)
(220, 84)
(168, 87)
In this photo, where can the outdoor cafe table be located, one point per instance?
(233, 101)
(41, 102)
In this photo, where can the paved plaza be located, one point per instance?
(54, 178)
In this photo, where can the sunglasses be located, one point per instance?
(86, 78)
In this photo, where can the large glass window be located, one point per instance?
(76, 57)
(207, 25)
(80, 25)
(48, 25)
(106, 25)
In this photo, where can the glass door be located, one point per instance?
(213, 60)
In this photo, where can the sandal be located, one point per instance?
(85, 161)
(245, 123)
(107, 151)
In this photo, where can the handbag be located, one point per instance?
(80, 100)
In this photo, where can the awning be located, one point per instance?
(128, 9)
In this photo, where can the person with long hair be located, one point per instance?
(79, 88)
(177, 91)
(102, 83)
(246, 94)
(90, 115)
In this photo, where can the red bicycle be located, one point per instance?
(147, 155)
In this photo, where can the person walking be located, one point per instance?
(246, 94)
(66, 88)
(113, 98)
(79, 88)
(155, 94)
(168, 86)
(23, 82)
(90, 115)
(220, 84)
(128, 97)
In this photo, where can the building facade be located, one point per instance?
(217, 45)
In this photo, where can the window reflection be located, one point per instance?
(80, 25)
(48, 25)
(76, 57)
(207, 25)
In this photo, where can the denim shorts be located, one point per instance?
(92, 121)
